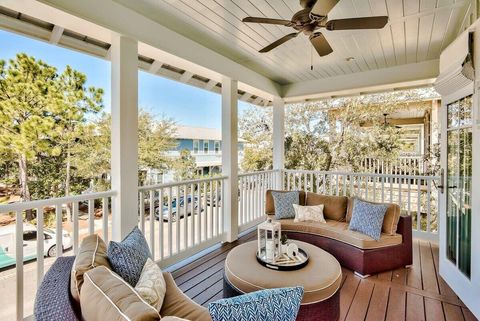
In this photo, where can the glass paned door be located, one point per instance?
(459, 183)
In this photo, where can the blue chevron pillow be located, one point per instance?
(367, 218)
(128, 257)
(283, 203)
(266, 305)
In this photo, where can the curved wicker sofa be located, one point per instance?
(53, 301)
(353, 250)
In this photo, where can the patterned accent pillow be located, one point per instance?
(309, 213)
(267, 305)
(283, 202)
(128, 257)
(367, 218)
(151, 286)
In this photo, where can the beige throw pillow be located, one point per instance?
(151, 286)
(309, 213)
(106, 296)
(92, 253)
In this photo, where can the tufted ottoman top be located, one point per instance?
(321, 277)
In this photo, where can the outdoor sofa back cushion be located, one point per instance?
(267, 305)
(176, 303)
(335, 207)
(284, 204)
(92, 253)
(106, 296)
(270, 206)
(128, 257)
(390, 221)
(367, 218)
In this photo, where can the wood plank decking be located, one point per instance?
(414, 294)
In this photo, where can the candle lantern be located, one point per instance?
(269, 233)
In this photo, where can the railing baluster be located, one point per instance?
(152, 222)
(170, 218)
(75, 227)
(179, 218)
(19, 263)
(105, 219)
(91, 216)
(198, 221)
(186, 205)
(428, 206)
(419, 204)
(40, 247)
(161, 234)
(142, 211)
(217, 204)
(210, 211)
(58, 230)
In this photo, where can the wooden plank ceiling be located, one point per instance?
(418, 30)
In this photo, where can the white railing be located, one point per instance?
(251, 191)
(416, 195)
(404, 165)
(82, 209)
(182, 218)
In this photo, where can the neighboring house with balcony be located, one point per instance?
(205, 145)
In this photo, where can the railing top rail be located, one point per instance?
(258, 173)
(22, 206)
(173, 184)
(425, 177)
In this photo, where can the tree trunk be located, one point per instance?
(24, 191)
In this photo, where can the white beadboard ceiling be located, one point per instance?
(418, 30)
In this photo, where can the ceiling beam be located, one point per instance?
(171, 47)
(385, 79)
(155, 67)
(186, 76)
(210, 84)
(56, 34)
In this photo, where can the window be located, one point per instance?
(205, 146)
(29, 235)
(217, 147)
(196, 146)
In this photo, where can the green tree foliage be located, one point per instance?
(335, 134)
(184, 166)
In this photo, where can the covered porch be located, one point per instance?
(159, 39)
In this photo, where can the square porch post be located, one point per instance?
(278, 140)
(230, 157)
(124, 156)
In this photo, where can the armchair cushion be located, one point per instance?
(335, 207)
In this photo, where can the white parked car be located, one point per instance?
(7, 243)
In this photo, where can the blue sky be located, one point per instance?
(187, 105)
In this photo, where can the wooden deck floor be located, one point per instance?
(416, 293)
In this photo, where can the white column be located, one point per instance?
(230, 157)
(124, 130)
(278, 139)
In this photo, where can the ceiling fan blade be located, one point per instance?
(321, 44)
(282, 22)
(279, 42)
(357, 23)
(321, 8)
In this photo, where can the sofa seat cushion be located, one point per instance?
(390, 221)
(176, 303)
(335, 207)
(339, 231)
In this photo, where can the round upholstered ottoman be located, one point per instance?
(321, 279)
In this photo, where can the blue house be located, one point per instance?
(205, 145)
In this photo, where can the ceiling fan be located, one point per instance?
(387, 124)
(314, 16)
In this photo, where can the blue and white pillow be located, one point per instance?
(283, 203)
(128, 257)
(367, 218)
(267, 305)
